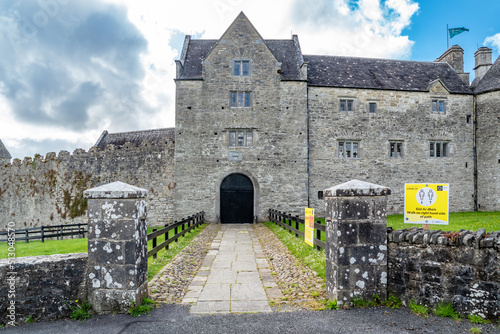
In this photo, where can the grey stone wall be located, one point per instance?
(433, 266)
(49, 190)
(400, 116)
(277, 161)
(43, 285)
(488, 151)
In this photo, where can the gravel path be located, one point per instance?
(301, 287)
(171, 283)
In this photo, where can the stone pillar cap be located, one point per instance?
(357, 188)
(116, 190)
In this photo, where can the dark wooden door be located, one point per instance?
(236, 199)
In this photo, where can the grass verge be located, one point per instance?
(309, 256)
(165, 256)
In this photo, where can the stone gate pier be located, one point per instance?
(356, 236)
(117, 270)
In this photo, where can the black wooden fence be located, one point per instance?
(180, 228)
(291, 223)
(45, 232)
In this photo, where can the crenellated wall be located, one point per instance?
(49, 190)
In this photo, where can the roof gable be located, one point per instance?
(491, 80)
(240, 24)
(4, 153)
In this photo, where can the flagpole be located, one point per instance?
(447, 38)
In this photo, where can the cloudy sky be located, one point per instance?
(71, 69)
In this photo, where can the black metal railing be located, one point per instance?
(291, 223)
(180, 228)
(46, 232)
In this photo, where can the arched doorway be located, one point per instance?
(236, 199)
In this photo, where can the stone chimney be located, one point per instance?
(455, 57)
(483, 62)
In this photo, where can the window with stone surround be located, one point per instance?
(348, 149)
(439, 106)
(395, 149)
(347, 105)
(438, 149)
(372, 107)
(240, 138)
(241, 68)
(240, 99)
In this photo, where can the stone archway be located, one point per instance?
(236, 199)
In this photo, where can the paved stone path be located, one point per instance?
(233, 275)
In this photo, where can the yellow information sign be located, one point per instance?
(309, 227)
(426, 203)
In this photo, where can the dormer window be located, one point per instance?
(241, 68)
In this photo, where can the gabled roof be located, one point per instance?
(387, 74)
(491, 80)
(4, 153)
(155, 136)
(284, 50)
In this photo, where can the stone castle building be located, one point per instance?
(260, 125)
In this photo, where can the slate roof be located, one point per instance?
(155, 136)
(387, 74)
(4, 153)
(491, 80)
(285, 52)
(197, 51)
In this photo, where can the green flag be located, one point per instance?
(455, 31)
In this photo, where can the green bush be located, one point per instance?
(418, 309)
(80, 311)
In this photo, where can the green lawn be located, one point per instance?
(457, 221)
(66, 246)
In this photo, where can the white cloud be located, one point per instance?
(493, 41)
(370, 28)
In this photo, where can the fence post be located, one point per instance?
(166, 236)
(175, 232)
(318, 235)
(296, 225)
(42, 234)
(117, 262)
(154, 243)
(27, 234)
(356, 242)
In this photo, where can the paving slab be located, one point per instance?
(229, 281)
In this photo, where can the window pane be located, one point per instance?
(241, 138)
(233, 99)
(232, 138)
(372, 107)
(445, 149)
(236, 67)
(247, 99)
(246, 68)
(341, 149)
(434, 106)
(431, 149)
(438, 150)
(441, 106)
(348, 149)
(392, 150)
(342, 105)
(354, 150)
(349, 105)
(398, 148)
(240, 99)
(249, 138)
